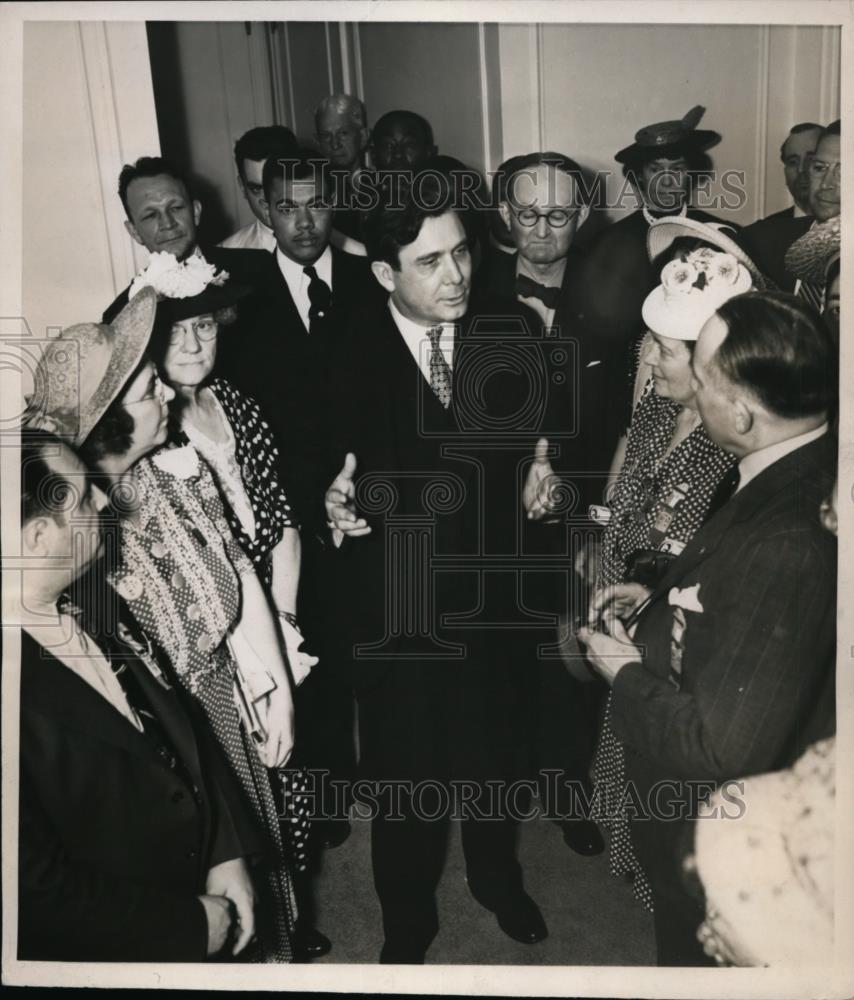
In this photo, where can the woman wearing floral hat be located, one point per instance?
(666, 484)
(195, 592)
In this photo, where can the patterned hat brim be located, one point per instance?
(129, 334)
(665, 231)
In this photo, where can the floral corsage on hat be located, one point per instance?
(692, 288)
(175, 279)
(192, 287)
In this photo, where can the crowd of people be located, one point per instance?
(556, 514)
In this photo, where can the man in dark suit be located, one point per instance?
(131, 836)
(426, 402)
(545, 201)
(730, 671)
(163, 217)
(309, 289)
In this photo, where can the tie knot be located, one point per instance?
(434, 333)
(310, 271)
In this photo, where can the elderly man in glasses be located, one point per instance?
(544, 202)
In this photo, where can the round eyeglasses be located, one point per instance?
(204, 329)
(557, 218)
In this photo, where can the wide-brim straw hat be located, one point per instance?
(810, 256)
(664, 232)
(669, 139)
(86, 368)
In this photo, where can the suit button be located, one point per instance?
(177, 797)
(192, 854)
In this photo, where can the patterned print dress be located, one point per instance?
(659, 501)
(257, 511)
(178, 571)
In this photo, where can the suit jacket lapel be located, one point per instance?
(51, 687)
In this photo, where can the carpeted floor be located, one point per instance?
(593, 918)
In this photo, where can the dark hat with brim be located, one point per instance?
(211, 300)
(669, 139)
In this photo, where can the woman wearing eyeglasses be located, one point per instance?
(195, 592)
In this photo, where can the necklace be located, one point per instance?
(650, 218)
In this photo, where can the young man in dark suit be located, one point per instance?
(163, 217)
(730, 671)
(425, 407)
(131, 835)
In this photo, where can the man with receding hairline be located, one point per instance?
(729, 670)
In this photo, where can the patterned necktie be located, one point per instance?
(440, 373)
(527, 288)
(320, 299)
(812, 293)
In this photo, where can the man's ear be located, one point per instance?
(131, 228)
(504, 212)
(742, 416)
(583, 213)
(364, 136)
(35, 535)
(241, 184)
(383, 272)
(197, 211)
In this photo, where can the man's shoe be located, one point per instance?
(583, 836)
(308, 943)
(401, 953)
(334, 832)
(520, 918)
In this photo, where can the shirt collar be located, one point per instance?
(415, 331)
(294, 273)
(751, 465)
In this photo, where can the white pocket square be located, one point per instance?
(687, 599)
(590, 364)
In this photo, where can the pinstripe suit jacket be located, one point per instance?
(757, 665)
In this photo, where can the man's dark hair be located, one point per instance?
(559, 161)
(384, 123)
(778, 347)
(112, 435)
(796, 130)
(397, 220)
(149, 166)
(44, 493)
(263, 142)
(832, 129)
(301, 165)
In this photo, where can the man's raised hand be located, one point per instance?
(538, 493)
(341, 504)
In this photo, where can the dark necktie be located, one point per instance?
(440, 373)
(320, 299)
(527, 288)
(725, 490)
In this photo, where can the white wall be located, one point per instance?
(88, 108)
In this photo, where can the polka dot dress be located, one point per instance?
(178, 572)
(644, 516)
(255, 457)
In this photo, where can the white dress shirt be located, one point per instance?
(255, 236)
(751, 465)
(298, 281)
(416, 339)
(83, 657)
